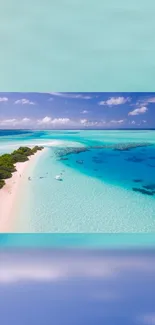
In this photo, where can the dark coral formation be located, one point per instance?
(150, 165)
(137, 180)
(149, 187)
(129, 146)
(60, 152)
(143, 191)
(134, 159)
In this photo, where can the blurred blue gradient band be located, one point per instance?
(78, 286)
(77, 45)
(82, 240)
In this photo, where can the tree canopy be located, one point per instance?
(8, 161)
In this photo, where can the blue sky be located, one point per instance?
(77, 110)
(47, 286)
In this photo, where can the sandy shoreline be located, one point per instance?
(9, 191)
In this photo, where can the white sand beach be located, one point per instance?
(9, 191)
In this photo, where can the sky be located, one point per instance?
(77, 110)
(69, 287)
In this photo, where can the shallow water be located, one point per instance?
(103, 190)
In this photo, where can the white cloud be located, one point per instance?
(83, 121)
(117, 122)
(14, 122)
(56, 121)
(48, 121)
(60, 121)
(145, 101)
(45, 120)
(144, 121)
(71, 95)
(88, 123)
(114, 101)
(84, 111)
(133, 122)
(3, 99)
(6, 122)
(151, 100)
(25, 119)
(24, 101)
(137, 111)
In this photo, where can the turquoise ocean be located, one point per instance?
(103, 189)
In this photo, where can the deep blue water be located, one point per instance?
(133, 169)
(4, 133)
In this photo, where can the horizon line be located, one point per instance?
(71, 129)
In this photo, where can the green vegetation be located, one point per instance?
(7, 161)
(2, 183)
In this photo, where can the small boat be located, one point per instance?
(58, 177)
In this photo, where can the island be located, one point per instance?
(8, 161)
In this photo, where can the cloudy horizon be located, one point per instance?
(77, 110)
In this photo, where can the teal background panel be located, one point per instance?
(77, 45)
(96, 241)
